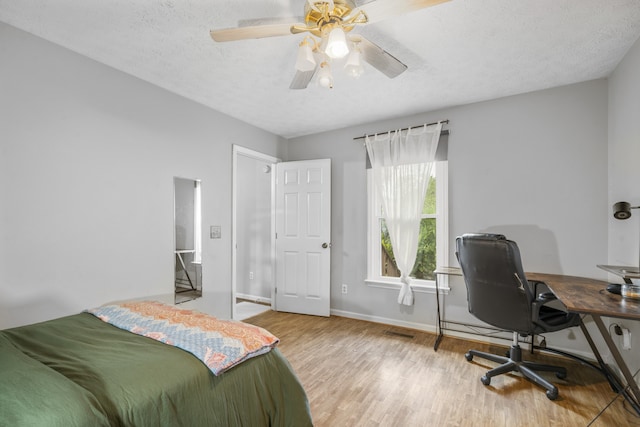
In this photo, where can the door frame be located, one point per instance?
(246, 152)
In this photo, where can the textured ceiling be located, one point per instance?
(458, 52)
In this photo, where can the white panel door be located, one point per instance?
(303, 233)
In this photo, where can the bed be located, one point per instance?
(82, 370)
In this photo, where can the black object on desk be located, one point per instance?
(614, 288)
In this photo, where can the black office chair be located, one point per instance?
(499, 294)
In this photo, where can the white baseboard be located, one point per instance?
(453, 334)
(254, 298)
(385, 321)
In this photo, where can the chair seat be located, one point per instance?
(555, 320)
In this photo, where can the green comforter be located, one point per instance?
(80, 371)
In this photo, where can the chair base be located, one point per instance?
(514, 363)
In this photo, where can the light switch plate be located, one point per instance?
(215, 232)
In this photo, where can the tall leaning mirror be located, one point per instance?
(188, 239)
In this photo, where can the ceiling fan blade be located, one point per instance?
(269, 21)
(382, 9)
(252, 32)
(380, 59)
(302, 78)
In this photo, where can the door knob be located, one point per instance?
(326, 245)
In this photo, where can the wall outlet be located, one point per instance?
(251, 275)
(215, 232)
(344, 289)
(626, 339)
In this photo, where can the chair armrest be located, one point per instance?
(543, 296)
(548, 315)
(542, 292)
(546, 297)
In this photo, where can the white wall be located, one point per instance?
(624, 174)
(531, 166)
(87, 160)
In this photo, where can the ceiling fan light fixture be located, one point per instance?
(325, 79)
(354, 67)
(337, 43)
(327, 22)
(305, 60)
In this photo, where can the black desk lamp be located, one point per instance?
(622, 210)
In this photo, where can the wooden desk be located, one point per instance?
(449, 271)
(590, 297)
(441, 323)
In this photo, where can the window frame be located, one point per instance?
(374, 276)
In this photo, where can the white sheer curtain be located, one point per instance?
(402, 163)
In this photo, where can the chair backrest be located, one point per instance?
(497, 290)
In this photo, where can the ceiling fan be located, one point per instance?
(328, 24)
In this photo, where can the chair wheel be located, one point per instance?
(486, 380)
(468, 356)
(552, 394)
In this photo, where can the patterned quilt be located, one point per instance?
(220, 344)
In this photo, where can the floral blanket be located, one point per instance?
(220, 344)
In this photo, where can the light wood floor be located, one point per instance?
(358, 374)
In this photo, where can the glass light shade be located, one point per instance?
(305, 60)
(354, 67)
(325, 79)
(630, 291)
(337, 44)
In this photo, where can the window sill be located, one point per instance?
(427, 287)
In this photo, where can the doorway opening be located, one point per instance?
(187, 221)
(253, 233)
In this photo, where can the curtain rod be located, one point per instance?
(403, 129)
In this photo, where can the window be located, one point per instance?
(433, 247)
